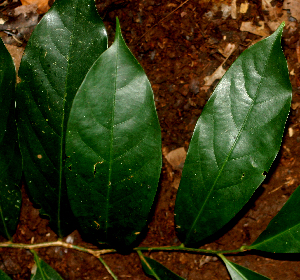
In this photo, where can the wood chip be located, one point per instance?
(218, 74)
(233, 9)
(244, 8)
(228, 50)
(176, 158)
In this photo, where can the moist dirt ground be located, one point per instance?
(179, 44)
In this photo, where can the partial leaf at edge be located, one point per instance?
(10, 157)
(235, 141)
(114, 148)
(4, 276)
(238, 272)
(42, 270)
(61, 50)
(282, 235)
(157, 270)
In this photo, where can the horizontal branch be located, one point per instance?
(94, 252)
(187, 249)
(98, 253)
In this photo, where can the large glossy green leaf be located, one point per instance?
(43, 271)
(10, 158)
(235, 140)
(154, 269)
(61, 50)
(282, 235)
(114, 148)
(238, 272)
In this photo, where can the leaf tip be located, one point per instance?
(118, 27)
(280, 28)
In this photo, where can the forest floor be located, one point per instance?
(178, 47)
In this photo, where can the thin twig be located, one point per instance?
(162, 20)
(98, 253)
(194, 250)
(58, 243)
(108, 269)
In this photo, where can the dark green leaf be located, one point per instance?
(238, 272)
(43, 271)
(10, 158)
(235, 140)
(157, 270)
(4, 276)
(114, 148)
(61, 50)
(283, 233)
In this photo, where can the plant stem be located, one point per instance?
(98, 253)
(222, 257)
(58, 243)
(108, 269)
(186, 249)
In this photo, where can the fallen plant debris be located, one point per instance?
(42, 5)
(20, 26)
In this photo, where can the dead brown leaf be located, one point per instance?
(233, 9)
(42, 5)
(275, 14)
(294, 7)
(20, 29)
(257, 30)
(25, 10)
(218, 74)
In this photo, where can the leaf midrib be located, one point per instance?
(231, 150)
(149, 266)
(109, 185)
(236, 270)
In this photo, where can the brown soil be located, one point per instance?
(177, 54)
